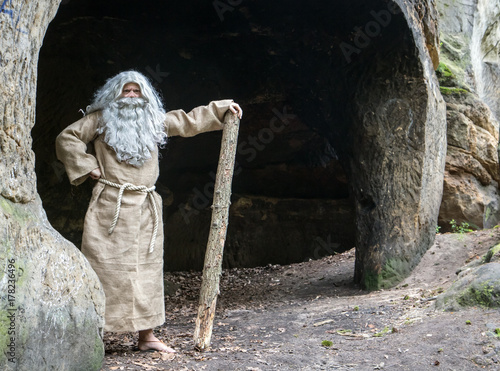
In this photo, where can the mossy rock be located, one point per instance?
(445, 76)
(454, 61)
(452, 91)
(479, 288)
(493, 255)
(393, 272)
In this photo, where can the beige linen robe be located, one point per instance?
(132, 277)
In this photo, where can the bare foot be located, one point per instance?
(147, 341)
(157, 345)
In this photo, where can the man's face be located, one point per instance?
(131, 90)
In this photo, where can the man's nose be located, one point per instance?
(131, 94)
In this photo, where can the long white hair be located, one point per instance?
(133, 127)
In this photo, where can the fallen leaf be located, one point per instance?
(167, 356)
(321, 323)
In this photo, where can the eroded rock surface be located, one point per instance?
(397, 157)
(52, 302)
(51, 308)
(470, 191)
(467, 82)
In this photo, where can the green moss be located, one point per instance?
(371, 281)
(6, 206)
(382, 333)
(452, 91)
(95, 362)
(492, 252)
(444, 70)
(487, 213)
(393, 272)
(444, 74)
(478, 296)
(15, 211)
(454, 57)
(495, 249)
(327, 343)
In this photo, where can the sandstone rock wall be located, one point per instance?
(468, 77)
(398, 153)
(471, 179)
(485, 53)
(51, 308)
(52, 303)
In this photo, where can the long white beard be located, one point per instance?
(132, 130)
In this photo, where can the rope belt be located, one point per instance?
(131, 187)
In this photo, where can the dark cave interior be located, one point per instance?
(294, 68)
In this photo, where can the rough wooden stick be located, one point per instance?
(220, 212)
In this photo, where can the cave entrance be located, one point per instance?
(295, 68)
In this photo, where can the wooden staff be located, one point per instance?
(215, 247)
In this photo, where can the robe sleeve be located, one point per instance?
(71, 148)
(199, 120)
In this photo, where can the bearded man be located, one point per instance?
(123, 229)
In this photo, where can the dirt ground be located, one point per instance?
(284, 318)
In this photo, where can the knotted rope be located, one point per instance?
(131, 187)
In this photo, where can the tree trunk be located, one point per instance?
(215, 246)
